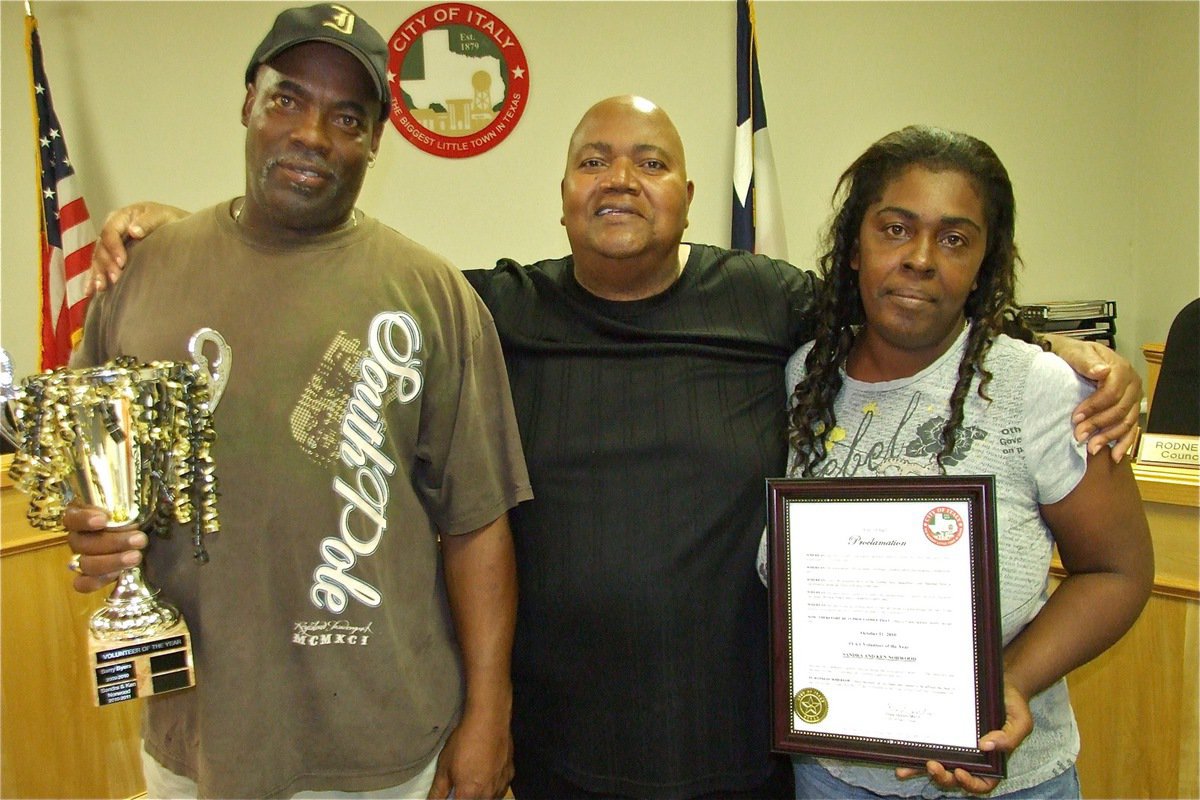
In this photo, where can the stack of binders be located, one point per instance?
(1091, 320)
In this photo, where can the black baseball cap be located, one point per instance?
(335, 24)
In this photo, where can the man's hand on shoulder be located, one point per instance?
(1110, 414)
(122, 227)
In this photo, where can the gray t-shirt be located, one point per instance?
(1024, 438)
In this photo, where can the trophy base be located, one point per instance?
(141, 667)
(133, 611)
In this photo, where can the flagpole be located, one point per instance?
(757, 223)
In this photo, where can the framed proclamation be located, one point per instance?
(885, 620)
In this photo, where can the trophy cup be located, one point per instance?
(133, 439)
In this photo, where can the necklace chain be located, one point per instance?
(350, 223)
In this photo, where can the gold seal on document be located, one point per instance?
(811, 705)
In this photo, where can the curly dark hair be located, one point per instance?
(990, 308)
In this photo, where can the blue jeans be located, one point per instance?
(814, 782)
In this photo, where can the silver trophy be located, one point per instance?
(133, 439)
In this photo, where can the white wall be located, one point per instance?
(1093, 106)
(1165, 221)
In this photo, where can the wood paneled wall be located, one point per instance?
(54, 742)
(1137, 703)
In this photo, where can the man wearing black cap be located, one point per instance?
(353, 629)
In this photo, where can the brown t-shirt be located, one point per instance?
(367, 411)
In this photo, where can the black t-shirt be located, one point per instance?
(641, 659)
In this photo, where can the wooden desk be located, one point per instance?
(1136, 703)
(53, 741)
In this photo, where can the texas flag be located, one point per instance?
(757, 211)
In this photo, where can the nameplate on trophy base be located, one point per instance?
(123, 670)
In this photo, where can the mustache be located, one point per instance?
(309, 162)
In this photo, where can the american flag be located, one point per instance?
(66, 235)
(757, 224)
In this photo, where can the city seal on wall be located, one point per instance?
(459, 80)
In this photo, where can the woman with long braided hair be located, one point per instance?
(911, 373)
(990, 305)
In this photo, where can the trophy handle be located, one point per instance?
(8, 393)
(218, 368)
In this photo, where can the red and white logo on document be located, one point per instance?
(943, 526)
(459, 80)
